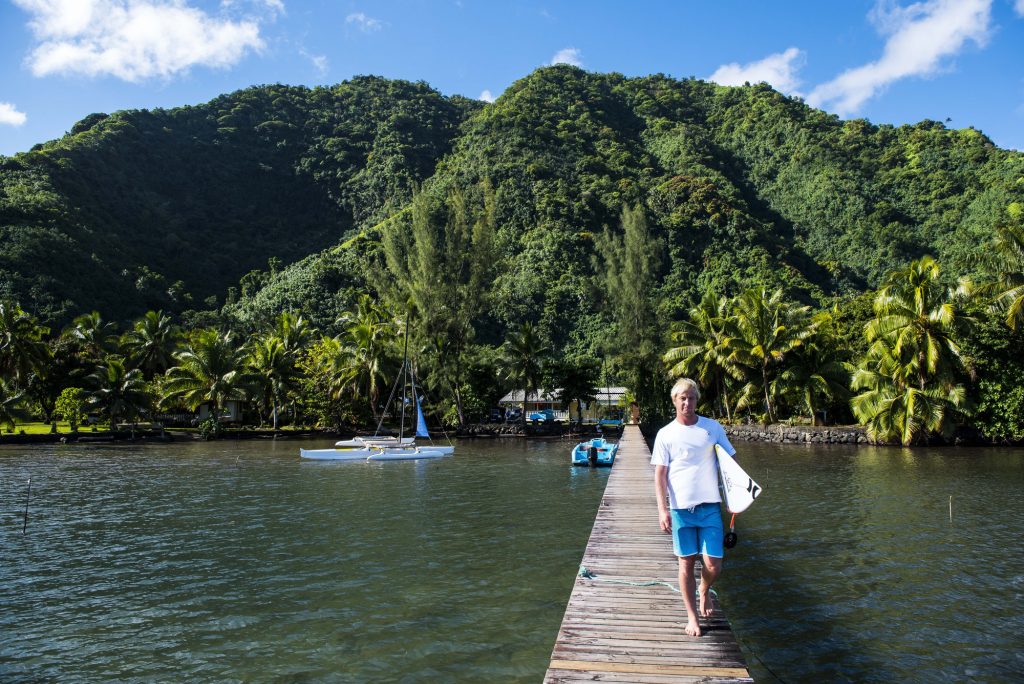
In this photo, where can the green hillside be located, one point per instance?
(741, 186)
(589, 220)
(142, 209)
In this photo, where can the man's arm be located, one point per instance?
(661, 493)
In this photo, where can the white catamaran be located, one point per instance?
(383, 447)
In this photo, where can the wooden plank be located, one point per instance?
(651, 668)
(624, 624)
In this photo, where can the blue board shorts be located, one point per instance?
(698, 530)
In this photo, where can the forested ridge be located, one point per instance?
(598, 215)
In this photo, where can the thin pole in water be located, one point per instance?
(950, 508)
(28, 495)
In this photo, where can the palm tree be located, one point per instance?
(909, 372)
(1008, 256)
(816, 372)
(211, 369)
(119, 392)
(150, 344)
(366, 342)
(93, 335)
(275, 369)
(22, 350)
(294, 332)
(522, 360)
(702, 354)
(917, 318)
(761, 331)
(897, 408)
(9, 398)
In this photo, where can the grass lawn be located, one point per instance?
(44, 428)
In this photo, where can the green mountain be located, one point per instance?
(289, 196)
(147, 209)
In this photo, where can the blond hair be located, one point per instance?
(685, 385)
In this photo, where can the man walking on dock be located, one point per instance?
(689, 503)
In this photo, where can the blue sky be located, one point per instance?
(890, 61)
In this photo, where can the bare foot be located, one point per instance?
(706, 607)
(692, 628)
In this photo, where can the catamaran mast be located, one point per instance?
(405, 366)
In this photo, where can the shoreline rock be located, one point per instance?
(780, 433)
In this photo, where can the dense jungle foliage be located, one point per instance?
(599, 225)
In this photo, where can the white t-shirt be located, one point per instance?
(689, 453)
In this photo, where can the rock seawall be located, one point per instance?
(803, 434)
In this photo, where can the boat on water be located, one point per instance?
(339, 454)
(595, 452)
(375, 441)
(383, 447)
(405, 454)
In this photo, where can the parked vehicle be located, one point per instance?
(513, 414)
(542, 416)
(496, 415)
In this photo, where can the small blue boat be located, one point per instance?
(594, 452)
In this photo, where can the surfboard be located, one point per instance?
(737, 487)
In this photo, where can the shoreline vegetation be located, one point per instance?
(780, 433)
(254, 260)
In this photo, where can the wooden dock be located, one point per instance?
(620, 626)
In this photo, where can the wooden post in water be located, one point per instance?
(623, 623)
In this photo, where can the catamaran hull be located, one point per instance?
(359, 442)
(405, 454)
(337, 454)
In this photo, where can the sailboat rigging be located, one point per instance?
(383, 447)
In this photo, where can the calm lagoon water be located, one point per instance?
(177, 563)
(234, 561)
(849, 568)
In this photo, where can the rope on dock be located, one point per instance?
(587, 574)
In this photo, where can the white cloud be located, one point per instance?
(132, 39)
(486, 96)
(319, 63)
(778, 70)
(364, 23)
(571, 56)
(10, 115)
(1019, 6)
(920, 36)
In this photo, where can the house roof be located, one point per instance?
(605, 395)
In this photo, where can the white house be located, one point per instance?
(609, 400)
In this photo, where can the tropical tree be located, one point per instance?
(702, 354)
(150, 344)
(366, 344)
(118, 391)
(522, 359)
(1008, 258)
(275, 371)
(71, 405)
(294, 331)
(816, 373)
(210, 369)
(22, 349)
(762, 330)
(630, 264)
(324, 379)
(909, 375)
(94, 336)
(9, 398)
